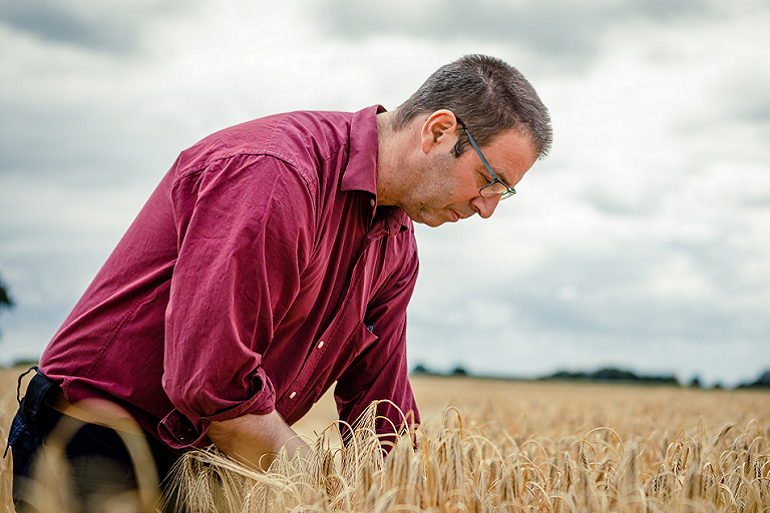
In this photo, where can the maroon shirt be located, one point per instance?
(259, 272)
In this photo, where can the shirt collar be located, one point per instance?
(361, 171)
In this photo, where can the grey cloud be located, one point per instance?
(751, 108)
(609, 204)
(741, 98)
(78, 146)
(567, 31)
(58, 138)
(116, 29)
(56, 22)
(609, 301)
(761, 203)
(45, 286)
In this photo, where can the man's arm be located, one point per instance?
(245, 229)
(255, 439)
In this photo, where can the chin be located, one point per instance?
(433, 223)
(429, 217)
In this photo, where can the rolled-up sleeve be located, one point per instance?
(380, 373)
(232, 218)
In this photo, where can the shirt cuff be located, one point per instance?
(179, 432)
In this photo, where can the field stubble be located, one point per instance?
(488, 445)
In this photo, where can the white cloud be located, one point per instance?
(641, 240)
(646, 227)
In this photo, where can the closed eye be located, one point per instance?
(485, 178)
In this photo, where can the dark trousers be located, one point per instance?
(99, 463)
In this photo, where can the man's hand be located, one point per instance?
(255, 439)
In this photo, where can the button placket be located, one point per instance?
(331, 334)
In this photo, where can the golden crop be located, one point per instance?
(512, 446)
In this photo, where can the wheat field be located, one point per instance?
(494, 445)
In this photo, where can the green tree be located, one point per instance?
(5, 298)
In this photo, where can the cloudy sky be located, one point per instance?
(643, 241)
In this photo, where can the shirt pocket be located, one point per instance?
(358, 339)
(362, 338)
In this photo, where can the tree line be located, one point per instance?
(606, 374)
(5, 297)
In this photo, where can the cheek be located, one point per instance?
(470, 185)
(440, 184)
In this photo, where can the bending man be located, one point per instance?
(276, 258)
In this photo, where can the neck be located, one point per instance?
(392, 151)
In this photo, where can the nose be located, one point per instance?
(485, 206)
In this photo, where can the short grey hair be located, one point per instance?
(488, 95)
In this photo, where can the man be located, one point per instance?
(278, 257)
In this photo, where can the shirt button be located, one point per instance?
(371, 202)
(320, 344)
(292, 395)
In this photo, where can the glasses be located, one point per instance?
(496, 187)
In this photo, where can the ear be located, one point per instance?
(439, 130)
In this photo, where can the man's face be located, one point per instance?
(447, 188)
